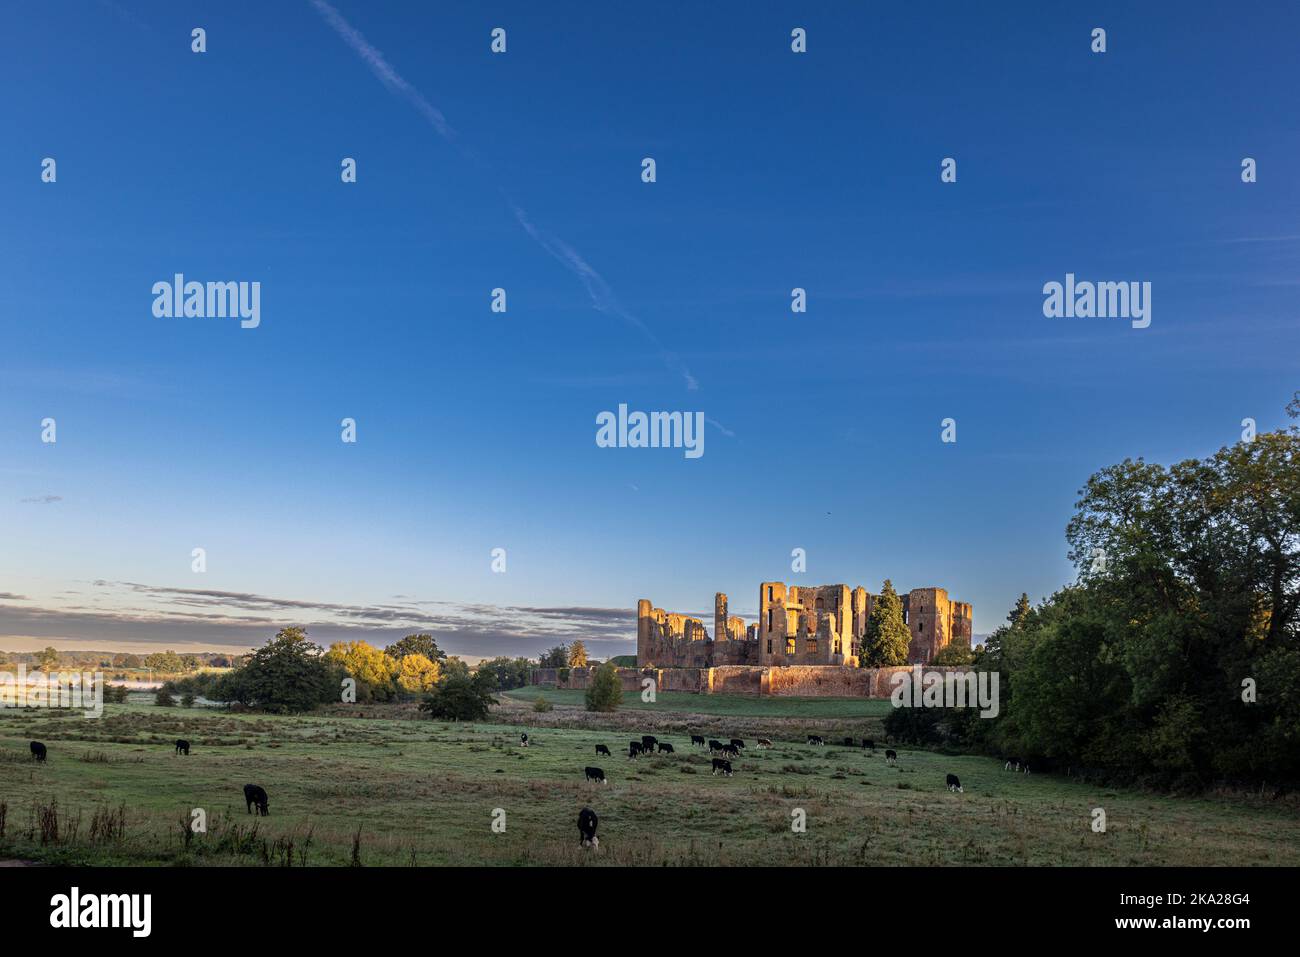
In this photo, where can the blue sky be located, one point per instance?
(476, 430)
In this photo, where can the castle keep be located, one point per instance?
(797, 625)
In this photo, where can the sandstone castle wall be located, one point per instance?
(798, 625)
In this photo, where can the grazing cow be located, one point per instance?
(715, 745)
(38, 751)
(1011, 763)
(848, 742)
(523, 740)
(814, 739)
(648, 743)
(891, 756)
(737, 743)
(596, 774)
(868, 744)
(764, 742)
(953, 783)
(601, 749)
(720, 765)
(587, 822)
(731, 751)
(182, 746)
(1024, 767)
(697, 739)
(634, 748)
(666, 748)
(254, 795)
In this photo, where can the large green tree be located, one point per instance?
(509, 672)
(421, 644)
(289, 673)
(461, 697)
(887, 637)
(557, 657)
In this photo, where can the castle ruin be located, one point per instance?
(797, 625)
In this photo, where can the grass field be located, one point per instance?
(410, 791)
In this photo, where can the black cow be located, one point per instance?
(715, 744)
(764, 742)
(891, 756)
(721, 765)
(868, 743)
(953, 783)
(254, 795)
(731, 751)
(666, 748)
(596, 774)
(523, 740)
(648, 742)
(848, 742)
(38, 751)
(697, 739)
(587, 822)
(737, 743)
(814, 739)
(634, 748)
(182, 746)
(601, 749)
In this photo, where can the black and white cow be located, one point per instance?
(587, 824)
(815, 740)
(731, 751)
(523, 740)
(953, 783)
(737, 743)
(764, 742)
(720, 765)
(715, 745)
(891, 756)
(596, 774)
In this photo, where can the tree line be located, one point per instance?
(1174, 658)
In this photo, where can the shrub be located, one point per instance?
(163, 699)
(460, 698)
(187, 701)
(605, 690)
(541, 704)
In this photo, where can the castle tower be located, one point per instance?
(771, 623)
(929, 619)
(644, 624)
(720, 617)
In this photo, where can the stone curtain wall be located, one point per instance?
(803, 681)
